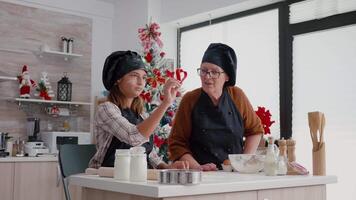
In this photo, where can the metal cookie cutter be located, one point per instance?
(176, 176)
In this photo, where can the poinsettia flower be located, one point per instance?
(169, 74)
(156, 79)
(161, 97)
(148, 57)
(170, 113)
(158, 141)
(265, 117)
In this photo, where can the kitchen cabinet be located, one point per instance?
(6, 180)
(295, 193)
(214, 186)
(32, 178)
(37, 180)
(298, 193)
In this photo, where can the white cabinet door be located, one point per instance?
(36, 181)
(297, 193)
(6, 180)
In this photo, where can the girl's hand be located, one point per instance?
(170, 90)
(179, 165)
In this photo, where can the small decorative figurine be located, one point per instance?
(44, 87)
(25, 83)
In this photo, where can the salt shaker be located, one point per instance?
(138, 164)
(270, 164)
(122, 164)
(70, 45)
(282, 159)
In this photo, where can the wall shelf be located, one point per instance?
(7, 78)
(66, 56)
(52, 102)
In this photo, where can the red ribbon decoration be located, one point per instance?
(181, 77)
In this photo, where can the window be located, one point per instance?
(255, 41)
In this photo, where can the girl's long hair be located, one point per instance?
(118, 98)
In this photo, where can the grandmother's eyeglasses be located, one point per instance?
(212, 74)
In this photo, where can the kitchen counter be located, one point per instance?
(212, 183)
(28, 159)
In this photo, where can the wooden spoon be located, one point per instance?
(322, 128)
(314, 125)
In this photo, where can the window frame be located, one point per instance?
(286, 32)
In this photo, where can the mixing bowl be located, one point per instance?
(247, 163)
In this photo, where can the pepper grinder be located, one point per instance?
(291, 150)
(291, 155)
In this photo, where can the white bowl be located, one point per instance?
(247, 163)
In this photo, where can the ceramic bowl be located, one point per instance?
(247, 163)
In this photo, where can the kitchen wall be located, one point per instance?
(25, 25)
(171, 14)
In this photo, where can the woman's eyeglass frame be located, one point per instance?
(212, 74)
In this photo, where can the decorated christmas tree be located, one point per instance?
(44, 87)
(159, 69)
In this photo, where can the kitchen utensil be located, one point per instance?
(33, 128)
(3, 141)
(322, 125)
(177, 176)
(316, 125)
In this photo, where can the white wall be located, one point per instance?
(129, 16)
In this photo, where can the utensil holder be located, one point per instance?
(319, 168)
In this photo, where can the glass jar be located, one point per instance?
(138, 164)
(122, 164)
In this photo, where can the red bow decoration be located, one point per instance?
(146, 96)
(150, 32)
(158, 141)
(148, 57)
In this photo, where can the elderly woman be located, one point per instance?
(212, 121)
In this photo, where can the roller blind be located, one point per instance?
(316, 9)
(324, 69)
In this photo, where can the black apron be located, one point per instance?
(216, 130)
(109, 158)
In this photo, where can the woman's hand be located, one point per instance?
(208, 167)
(170, 91)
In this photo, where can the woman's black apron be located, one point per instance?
(109, 158)
(216, 130)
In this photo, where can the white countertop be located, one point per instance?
(28, 159)
(212, 182)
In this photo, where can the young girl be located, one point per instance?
(118, 123)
